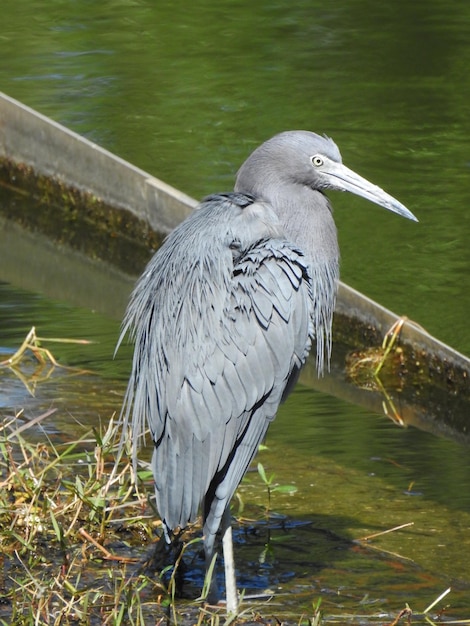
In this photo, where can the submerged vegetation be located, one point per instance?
(45, 363)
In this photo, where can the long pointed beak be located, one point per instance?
(341, 178)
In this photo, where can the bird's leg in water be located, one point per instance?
(229, 564)
(213, 595)
(211, 588)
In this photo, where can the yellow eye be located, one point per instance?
(317, 160)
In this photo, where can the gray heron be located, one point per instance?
(223, 319)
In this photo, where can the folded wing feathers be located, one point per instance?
(209, 405)
(270, 282)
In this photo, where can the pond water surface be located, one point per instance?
(186, 92)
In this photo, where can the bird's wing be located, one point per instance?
(219, 403)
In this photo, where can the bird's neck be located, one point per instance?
(307, 220)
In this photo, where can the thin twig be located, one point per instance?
(107, 554)
(385, 532)
(437, 600)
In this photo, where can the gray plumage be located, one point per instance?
(223, 319)
(238, 310)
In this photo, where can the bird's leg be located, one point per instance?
(212, 596)
(229, 564)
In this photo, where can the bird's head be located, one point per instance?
(302, 158)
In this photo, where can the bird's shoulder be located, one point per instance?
(258, 240)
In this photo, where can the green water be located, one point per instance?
(185, 91)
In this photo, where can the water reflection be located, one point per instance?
(87, 393)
